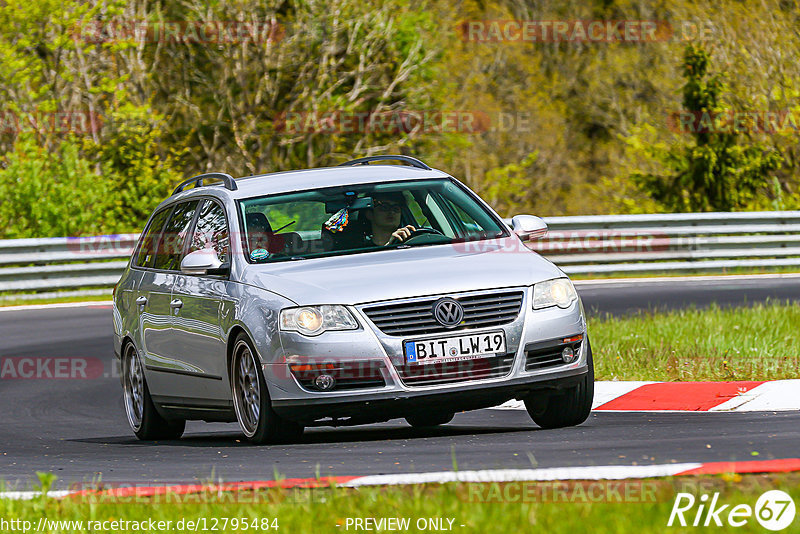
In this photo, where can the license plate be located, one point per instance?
(455, 348)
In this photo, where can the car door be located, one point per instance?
(152, 296)
(165, 371)
(198, 337)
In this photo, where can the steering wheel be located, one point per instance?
(423, 230)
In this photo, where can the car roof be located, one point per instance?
(301, 180)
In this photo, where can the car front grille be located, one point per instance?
(548, 354)
(460, 371)
(416, 317)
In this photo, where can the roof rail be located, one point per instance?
(227, 179)
(408, 160)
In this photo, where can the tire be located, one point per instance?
(258, 421)
(429, 420)
(570, 408)
(143, 418)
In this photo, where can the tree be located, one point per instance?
(718, 170)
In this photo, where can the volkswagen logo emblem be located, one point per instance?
(448, 312)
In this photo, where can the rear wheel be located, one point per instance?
(144, 419)
(257, 419)
(569, 408)
(428, 420)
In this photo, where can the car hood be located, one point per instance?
(402, 273)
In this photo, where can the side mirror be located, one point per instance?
(528, 227)
(203, 261)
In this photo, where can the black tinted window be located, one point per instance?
(212, 231)
(148, 247)
(170, 247)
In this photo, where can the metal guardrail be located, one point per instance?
(684, 242)
(674, 242)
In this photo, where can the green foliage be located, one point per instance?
(718, 171)
(82, 188)
(510, 182)
(50, 193)
(137, 177)
(570, 127)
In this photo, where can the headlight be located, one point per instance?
(313, 320)
(558, 292)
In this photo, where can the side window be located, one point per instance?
(147, 250)
(439, 216)
(170, 248)
(416, 211)
(469, 222)
(212, 231)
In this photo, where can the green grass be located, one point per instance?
(482, 508)
(747, 343)
(16, 301)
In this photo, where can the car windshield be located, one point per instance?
(356, 219)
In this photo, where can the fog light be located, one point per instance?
(568, 355)
(325, 382)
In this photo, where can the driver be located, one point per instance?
(385, 219)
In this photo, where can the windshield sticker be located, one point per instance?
(259, 254)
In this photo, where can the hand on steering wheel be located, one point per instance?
(407, 232)
(401, 234)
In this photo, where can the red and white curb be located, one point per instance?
(742, 396)
(603, 472)
(606, 472)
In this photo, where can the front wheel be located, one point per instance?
(569, 408)
(258, 421)
(144, 419)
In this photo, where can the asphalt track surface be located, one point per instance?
(77, 428)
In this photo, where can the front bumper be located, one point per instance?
(396, 398)
(380, 407)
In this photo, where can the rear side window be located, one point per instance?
(147, 249)
(170, 247)
(212, 231)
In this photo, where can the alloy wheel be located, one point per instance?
(246, 389)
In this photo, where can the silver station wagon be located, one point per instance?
(342, 296)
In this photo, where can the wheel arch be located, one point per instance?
(123, 345)
(232, 335)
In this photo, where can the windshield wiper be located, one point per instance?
(284, 227)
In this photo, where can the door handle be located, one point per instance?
(141, 301)
(176, 304)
